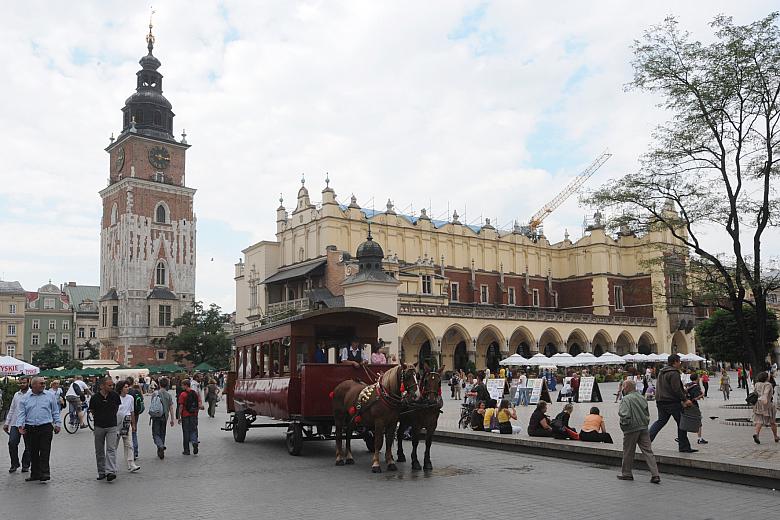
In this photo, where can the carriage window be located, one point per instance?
(265, 350)
(285, 360)
(243, 363)
(273, 368)
(253, 361)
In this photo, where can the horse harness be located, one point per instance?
(376, 392)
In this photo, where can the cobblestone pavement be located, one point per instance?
(727, 442)
(258, 479)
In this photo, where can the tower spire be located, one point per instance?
(150, 36)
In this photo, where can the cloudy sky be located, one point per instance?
(484, 107)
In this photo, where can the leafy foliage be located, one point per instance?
(710, 166)
(50, 356)
(93, 352)
(721, 338)
(202, 337)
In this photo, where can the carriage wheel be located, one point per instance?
(240, 427)
(295, 439)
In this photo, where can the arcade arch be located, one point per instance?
(489, 342)
(416, 341)
(455, 346)
(646, 344)
(624, 344)
(679, 343)
(601, 343)
(577, 342)
(550, 342)
(522, 342)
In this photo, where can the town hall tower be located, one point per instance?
(147, 236)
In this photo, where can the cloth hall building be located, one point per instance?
(471, 294)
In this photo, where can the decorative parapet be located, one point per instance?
(510, 313)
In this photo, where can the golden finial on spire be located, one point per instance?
(150, 36)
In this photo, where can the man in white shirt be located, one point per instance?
(73, 397)
(10, 428)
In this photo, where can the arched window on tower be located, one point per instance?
(139, 116)
(160, 215)
(160, 273)
(113, 214)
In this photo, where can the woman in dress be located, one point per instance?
(725, 384)
(125, 419)
(764, 411)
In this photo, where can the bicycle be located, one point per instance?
(71, 421)
(465, 415)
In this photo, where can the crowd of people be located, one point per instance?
(115, 406)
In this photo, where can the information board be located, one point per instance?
(495, 388)
(586, 389)
(536, 393)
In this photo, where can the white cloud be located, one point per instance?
(389, 97)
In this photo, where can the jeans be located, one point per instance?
(14, 437)
(106, 440)
(38, 441)
(135, 444)
(189, 431)
(159, 427)
(665, 411)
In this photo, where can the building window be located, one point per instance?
(148, 315)
(36, 324)
(52, 324)
(771, 297)
(160, 273)
(536, 297)
(161, 355)
(12, 308)
(511, 296)
(10, 349)
(82, 353)
(51, 339)
(454, 291)
(113, 214)
(483, 294)
(115, 316)
(11, 329)
(160, 215)
(65, 340)
(253, 295)
(65, 325)
(619, 298)
(427, 284)
(165, 316)
(82, 332)
(105, 313)
(48, 303)
(92, 332)
(35, 339)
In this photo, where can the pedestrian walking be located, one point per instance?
(126, 421)
(634, 418)
(725, 384)
(104, 406)
(161, 410)
(9, 427)
(189, 406)
(764, 411)
(134, 389)
(38, 419)
(705, 382)
(694, 393)
(670, 398)
(212, 397)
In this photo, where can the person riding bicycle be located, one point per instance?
(77, 394)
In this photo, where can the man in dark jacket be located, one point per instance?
(670, 398)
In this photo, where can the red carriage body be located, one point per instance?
(274, 376)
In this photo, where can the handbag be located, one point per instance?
(690, 419)
(125, 428)
(752, 398)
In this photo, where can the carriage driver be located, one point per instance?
(353, 353)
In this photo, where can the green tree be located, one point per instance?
(93, 352)
(202, 337)
(721, 339)
(50, 356)
(709, 168)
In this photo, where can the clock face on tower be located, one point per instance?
(120, 159)
(159, 157)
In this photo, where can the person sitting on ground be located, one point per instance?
(477, 417)
(560, 424)
(489, 417)
(539, 424)
(593, 428)
(505, 414)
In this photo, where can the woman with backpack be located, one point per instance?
(126, 421)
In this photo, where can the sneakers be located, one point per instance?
(13, 469)
(655, 480)
(755, 438)
(701, 441)
(101, 477)
(25, 470)
(110, 477)
(161, 453)
(195, 448)
(134, 468)
(625, 477)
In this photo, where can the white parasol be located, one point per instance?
(563, 359)
(586, 358)
(10, 366)
(611, 359)
(540, 360)
(514, 359)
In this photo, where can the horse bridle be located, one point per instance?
(431, 393)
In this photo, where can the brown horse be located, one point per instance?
(422, 414)
(376, 406)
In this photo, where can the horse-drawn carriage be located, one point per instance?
(275, 375)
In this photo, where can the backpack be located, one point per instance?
(138, 403)
(156, 409)
(77, 389)
(192, 404)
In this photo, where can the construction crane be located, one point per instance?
(536, 220)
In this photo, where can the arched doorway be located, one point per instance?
(577, 342)
(550, 342)
(646, 344)
(492, 357)
(425, 354)
(603, 341)
(413, 340)
(597, 350)
(679, 343)
(624, 344)
(460, 358)
(522, 341)
(524, 349)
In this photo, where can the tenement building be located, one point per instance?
(147, 238)
(13, 299)
(48, 320)
(472, 294)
